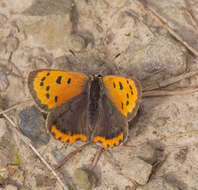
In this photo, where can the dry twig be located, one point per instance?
(157, 17)
(180, 135)
(170, 93)
(170, 81)
(190, 15)
(148, 93)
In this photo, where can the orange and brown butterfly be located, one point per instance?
(89, 108)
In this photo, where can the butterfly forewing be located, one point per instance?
(124, 92)
(51, 88)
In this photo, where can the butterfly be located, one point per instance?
(90, 108)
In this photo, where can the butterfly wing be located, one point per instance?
(64, 96)
(125, 93)
(119, 104)
(51, 88)
(69, 122)
(111, 127)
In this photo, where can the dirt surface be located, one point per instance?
(124, 37)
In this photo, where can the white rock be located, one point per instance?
(137, 170)
(10, 187)
(157, 184)
(12, 44)
(4, 83)
(2, 127)
(147, 153)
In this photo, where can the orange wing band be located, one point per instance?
(64, 137)
(109, 142)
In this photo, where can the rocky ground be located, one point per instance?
(155, 41)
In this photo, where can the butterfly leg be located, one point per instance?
(71, 154)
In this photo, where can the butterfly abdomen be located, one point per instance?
(94, 97)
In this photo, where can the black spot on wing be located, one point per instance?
(47, 96)
(56, 98)
(121, 86)
(127, 103)
(41, 84)
(127, 95)
(122, 105)
(114, 85)
(48, 74)
(47, 88)
(69, 81)
(43, 78)
(58, 80)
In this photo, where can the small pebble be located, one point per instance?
(147, 153)
(32, 125)
(2, 47)
(85, 178)
(11, 187)
(12, 44)
(12, 170)
(40, 62)
(4, 83)
(49, 7)
(4, 174)
(6, 144)
(76, 43)
(129, 188)
(3, 127)
(43, 181)
(181, 155)
(88, 38)
(3, 20)
(20, 177)
(137, 170)
(157, 184)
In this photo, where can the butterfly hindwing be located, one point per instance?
(69, 121)
(125, 93)
(51, 88)
(111, 127)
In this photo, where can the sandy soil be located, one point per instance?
(105, 37)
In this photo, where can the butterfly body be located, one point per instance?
(89, 108)
(94, 98)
